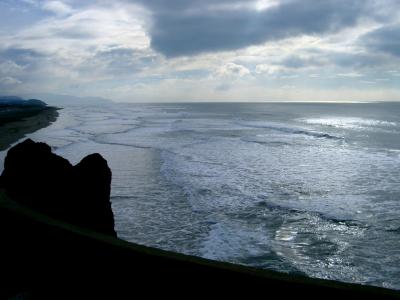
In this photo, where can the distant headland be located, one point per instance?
(19, 117)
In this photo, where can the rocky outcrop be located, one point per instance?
(41, 180)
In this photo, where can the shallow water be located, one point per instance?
(306, 188)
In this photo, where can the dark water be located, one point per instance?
(306, 188)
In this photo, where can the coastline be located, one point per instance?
(13, 127)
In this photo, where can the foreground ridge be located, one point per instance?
(50, 255)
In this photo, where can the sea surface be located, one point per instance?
(304, 188)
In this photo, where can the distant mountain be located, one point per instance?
(7, 101)
(68, 100)
(34, 102)
(10, 98)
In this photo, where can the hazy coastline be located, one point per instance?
(20, 117)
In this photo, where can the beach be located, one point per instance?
(14, 126)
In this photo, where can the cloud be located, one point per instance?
(191, 27)
(232, 69)
(351, 74)
(395, 73)
(9, 67)
(118, 61)
(9, 81)
(198, 49)
(297, 62)
(16, 59)
(57, 7)
(86, 35)
(92, 44)
(385, 39)
(268, 69)
(93, 26)
(30, 2)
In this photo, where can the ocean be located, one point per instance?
(305, 188)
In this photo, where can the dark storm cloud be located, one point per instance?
(190, 27)
(385, 40)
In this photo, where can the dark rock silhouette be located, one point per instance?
(41, 180)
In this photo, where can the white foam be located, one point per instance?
(348, 122)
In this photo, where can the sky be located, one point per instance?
(202, 50)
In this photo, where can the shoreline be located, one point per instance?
(15, 127)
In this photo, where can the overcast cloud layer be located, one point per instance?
(202, 50)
